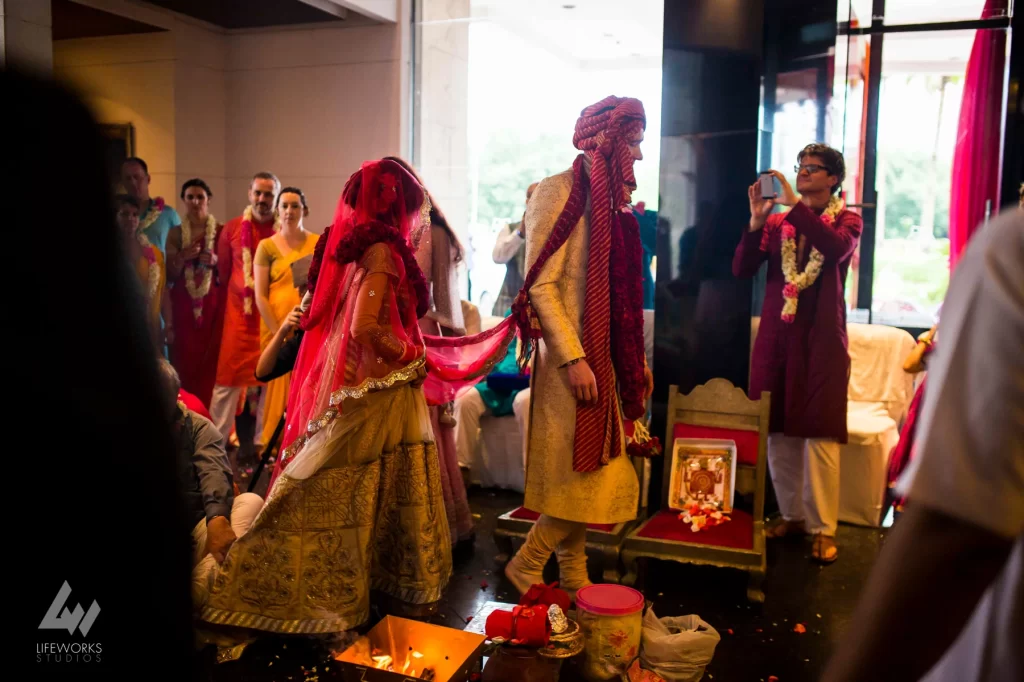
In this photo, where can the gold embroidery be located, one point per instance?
(331, 576)
(400, 376)
(403, 375)
(372, 293)
(269, 580)
(320, 544)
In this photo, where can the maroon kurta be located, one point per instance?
(805, 365)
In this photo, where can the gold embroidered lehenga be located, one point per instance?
(356, 503)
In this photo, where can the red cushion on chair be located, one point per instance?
(746, 441)
(525, 514)
(738, 533)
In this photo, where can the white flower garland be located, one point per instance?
(249, 282)
(798, 281)
(153, 213)
(198, 293)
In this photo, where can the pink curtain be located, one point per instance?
(976, 159)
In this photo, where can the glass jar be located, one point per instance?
(610, 617)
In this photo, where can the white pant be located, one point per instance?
(224, 406)
(469, 408)
(805, 473)
(244, 510)
(521, 409)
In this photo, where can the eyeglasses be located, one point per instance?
(810, 168)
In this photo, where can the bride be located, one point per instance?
(356, 502)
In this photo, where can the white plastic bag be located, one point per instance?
(677, 649)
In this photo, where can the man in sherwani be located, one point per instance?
(800, 354)
(585, 287)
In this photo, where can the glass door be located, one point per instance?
(907, 100)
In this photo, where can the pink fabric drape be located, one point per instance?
(976, 159)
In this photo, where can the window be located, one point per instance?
(499, 87)
(900, 155)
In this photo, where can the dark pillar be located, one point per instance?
(710, 97)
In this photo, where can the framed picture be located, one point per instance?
(118, 145)
(703, 472)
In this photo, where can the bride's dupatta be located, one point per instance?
(331, 366)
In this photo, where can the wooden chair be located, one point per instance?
(604, 540)
(715, 410)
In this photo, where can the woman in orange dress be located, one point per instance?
(197, 294)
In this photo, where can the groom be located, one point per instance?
(583, 264)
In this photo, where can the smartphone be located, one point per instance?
(767, 181)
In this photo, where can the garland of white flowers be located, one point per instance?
(798, 281)
(198, 293)
(153, 213)
(248, 236)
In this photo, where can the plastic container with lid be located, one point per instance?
(610, 617)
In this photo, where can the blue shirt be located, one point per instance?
(157, 232)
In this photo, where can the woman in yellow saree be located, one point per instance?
(355, 504)
(149, 266)
(276, 291)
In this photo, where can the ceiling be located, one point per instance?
(589, 32)
(74, 20)
(71, 20)
(233, 14)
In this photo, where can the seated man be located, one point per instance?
(217, 515)
(498, 395)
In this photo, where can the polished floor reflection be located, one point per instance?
(758, 641)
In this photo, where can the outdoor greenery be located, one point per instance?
(915, 189)
(509, 164)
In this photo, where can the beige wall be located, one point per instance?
(129, 79)
(200, 112)
(311, 105)
(443, 140)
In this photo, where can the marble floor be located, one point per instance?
(758, 640)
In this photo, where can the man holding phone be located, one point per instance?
(800, 354)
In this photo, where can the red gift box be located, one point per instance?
(523, 625)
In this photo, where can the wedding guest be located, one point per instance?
(156, 218)
(945, 600)
(197, 295)
(276, 291)
(800, 354)
(240, 343)
(510, 251)
(149, 265)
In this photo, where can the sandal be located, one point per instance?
(824, 549)
(784, 529)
